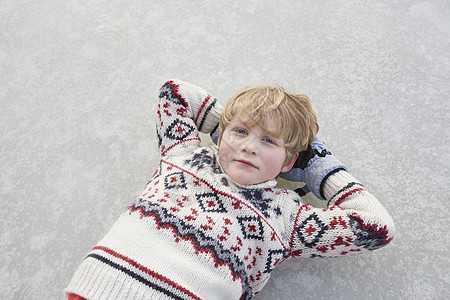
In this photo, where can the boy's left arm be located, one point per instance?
(354, 222)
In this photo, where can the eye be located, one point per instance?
(269, 140)
(240, 131)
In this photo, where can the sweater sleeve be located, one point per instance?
(183, 110)
(354, 222)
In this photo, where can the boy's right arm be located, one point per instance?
(184, 109)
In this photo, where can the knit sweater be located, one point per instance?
(194, 233)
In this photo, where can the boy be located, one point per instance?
(210, 224)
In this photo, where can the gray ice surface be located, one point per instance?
(78, 83)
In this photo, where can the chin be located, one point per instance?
(243, 181)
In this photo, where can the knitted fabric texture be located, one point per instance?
(193, 233)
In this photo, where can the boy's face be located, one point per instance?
(252, 154)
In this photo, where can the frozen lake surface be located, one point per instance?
(78, 85)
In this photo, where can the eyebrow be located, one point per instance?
(274, 134)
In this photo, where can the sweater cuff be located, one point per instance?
(335, 183)
(212, 121)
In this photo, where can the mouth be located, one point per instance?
(246, 163)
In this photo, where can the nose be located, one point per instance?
(250, 145)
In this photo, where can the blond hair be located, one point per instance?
(297, 120)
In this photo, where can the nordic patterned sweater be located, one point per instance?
(195, 234)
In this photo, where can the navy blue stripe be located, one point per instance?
(208, 109)
(135, 276)
(348, 186)
(322, 184)
(197, 237)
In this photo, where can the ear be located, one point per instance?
(219, 141)
(289, 165)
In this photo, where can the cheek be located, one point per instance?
(227, 144)
(224, 148)
(275, 160)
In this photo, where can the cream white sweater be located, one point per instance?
(193, 233)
